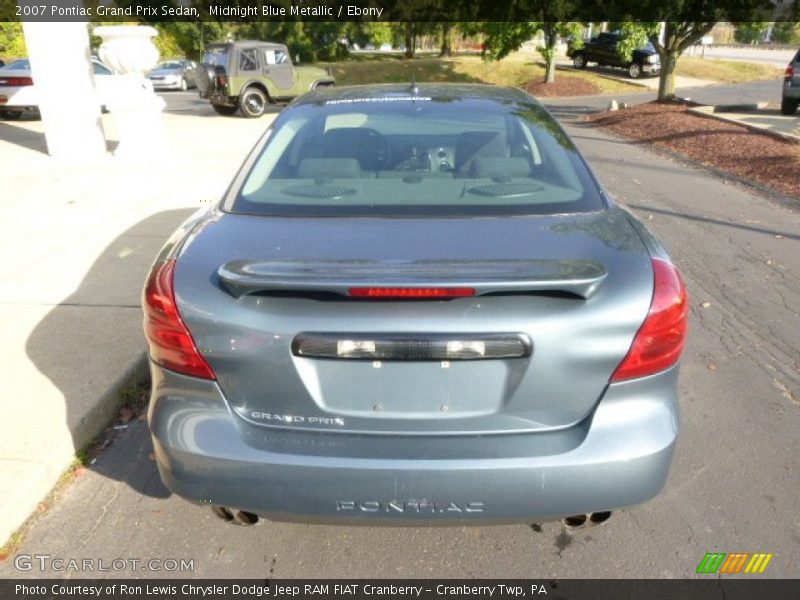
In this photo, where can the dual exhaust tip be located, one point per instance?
(587, 520)
(239, 517)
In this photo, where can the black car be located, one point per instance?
(603, 50)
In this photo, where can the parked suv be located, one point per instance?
(247, 75)
(603, 51)
(791, 87)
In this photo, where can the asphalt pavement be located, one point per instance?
(734, 481)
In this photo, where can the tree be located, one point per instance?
(12, 41)
(671, 38)
(504, 38)
(786, 32)
(444, 46)
(750, 33)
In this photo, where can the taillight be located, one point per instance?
(16, 81)
(171, 344)
(659, 342)
(410, 292)
(789, 73)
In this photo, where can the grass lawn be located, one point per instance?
(516, 70)
(726, 71)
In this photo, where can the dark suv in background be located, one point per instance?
(603, 51)
(791, 87)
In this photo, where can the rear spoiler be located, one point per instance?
(580, 278)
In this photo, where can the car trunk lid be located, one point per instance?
(556, 303)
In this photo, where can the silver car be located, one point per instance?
(414, 304)
(174, 75)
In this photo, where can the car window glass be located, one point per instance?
(281, 57)
(373, 156)
(269, 55)
(217, 57)
(100, 69)
(248, 60)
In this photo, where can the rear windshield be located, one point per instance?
(414, 155)
(22, 63)
(216, 56)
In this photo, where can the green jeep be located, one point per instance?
(247, 75)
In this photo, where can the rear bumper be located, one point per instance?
(162, 85)
(619, 456)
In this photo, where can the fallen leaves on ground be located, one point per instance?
(726, 146)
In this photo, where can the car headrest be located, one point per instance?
(490, 167)
(329, 168)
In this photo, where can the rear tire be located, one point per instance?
(789, 106)
(252, 102)
(10, 115)
(634, 70)
(579, 61)
(225, 111)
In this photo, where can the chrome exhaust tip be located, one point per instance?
(600, 517)
(575, 521)
(245, 518)
(222, 512)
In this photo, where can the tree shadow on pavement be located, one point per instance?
(91, 347)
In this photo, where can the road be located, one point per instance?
(777, 58)
(734, 481)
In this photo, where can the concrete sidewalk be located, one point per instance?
(78, 240)
(761, 119)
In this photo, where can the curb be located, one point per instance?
(786, 137)
(108, 403)
(24, 509)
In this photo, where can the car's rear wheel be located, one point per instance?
(10, 115)
(789, 106)
(226, 111)
(635, 70)
(579, 61)
(252, 102)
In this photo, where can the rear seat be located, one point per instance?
(415, 174)
(330, 168)
(500, 168)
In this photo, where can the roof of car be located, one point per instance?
(427, 90)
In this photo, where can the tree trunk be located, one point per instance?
(550, 39)
(677, 36)
(666, 81)
(408, 39)
(444, 49)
